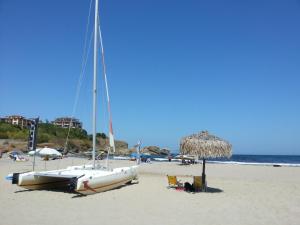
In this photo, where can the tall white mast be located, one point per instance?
(95, 82)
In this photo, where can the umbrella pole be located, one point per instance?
(203, 176)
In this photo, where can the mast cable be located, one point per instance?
(111, 138)
(85, 56)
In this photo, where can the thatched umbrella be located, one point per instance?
(205, 146)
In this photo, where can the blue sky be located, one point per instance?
(174, 68)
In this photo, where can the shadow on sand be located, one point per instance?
(185, 164)
(52, 190)
(208, 190)
(20, 191)
(213, 190)
(75, 194)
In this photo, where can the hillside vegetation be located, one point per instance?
(46, 132)
(53, 136)
(8, 131)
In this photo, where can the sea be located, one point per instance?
(272, 160)
(267, 160)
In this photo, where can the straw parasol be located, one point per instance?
(205, 146)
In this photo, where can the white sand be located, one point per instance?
(250, 195)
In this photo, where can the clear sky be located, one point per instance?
(174, 68)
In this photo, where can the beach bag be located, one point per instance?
(188, 187)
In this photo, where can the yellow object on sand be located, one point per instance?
(197, 183)
(173, 181)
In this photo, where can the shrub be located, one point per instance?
(43, 138)
(102, 135)
(20, 135)
(3, 135)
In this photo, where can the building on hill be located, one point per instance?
(17, 120)
(66, 122)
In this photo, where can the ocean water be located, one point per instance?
(283, 160)
(268, 160)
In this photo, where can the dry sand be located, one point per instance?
(240, 194)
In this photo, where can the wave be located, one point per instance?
(256, 163)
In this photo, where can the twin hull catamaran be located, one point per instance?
(85, 179)
(81, 179)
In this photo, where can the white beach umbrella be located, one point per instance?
(31, 153)
(49, 152)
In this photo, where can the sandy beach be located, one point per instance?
(238, 194)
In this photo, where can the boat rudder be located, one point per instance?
(15, 178)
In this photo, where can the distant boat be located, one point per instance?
(83, 179)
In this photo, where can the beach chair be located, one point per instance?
(197, 183)
(173, 182)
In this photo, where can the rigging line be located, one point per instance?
(80, 84)
(103, 60)
(78, 92)
(111, 137)
(82, 72)
(106, 87)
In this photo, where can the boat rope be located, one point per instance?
(85, 56)
(78, 91)
(111, 133)
(86, 186)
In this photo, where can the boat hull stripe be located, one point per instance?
(122, 181)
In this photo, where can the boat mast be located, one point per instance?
(95, 82)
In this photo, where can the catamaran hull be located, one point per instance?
(84, 181)
(32, 181)
(95, 184)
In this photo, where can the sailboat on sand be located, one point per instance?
(84, 179)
